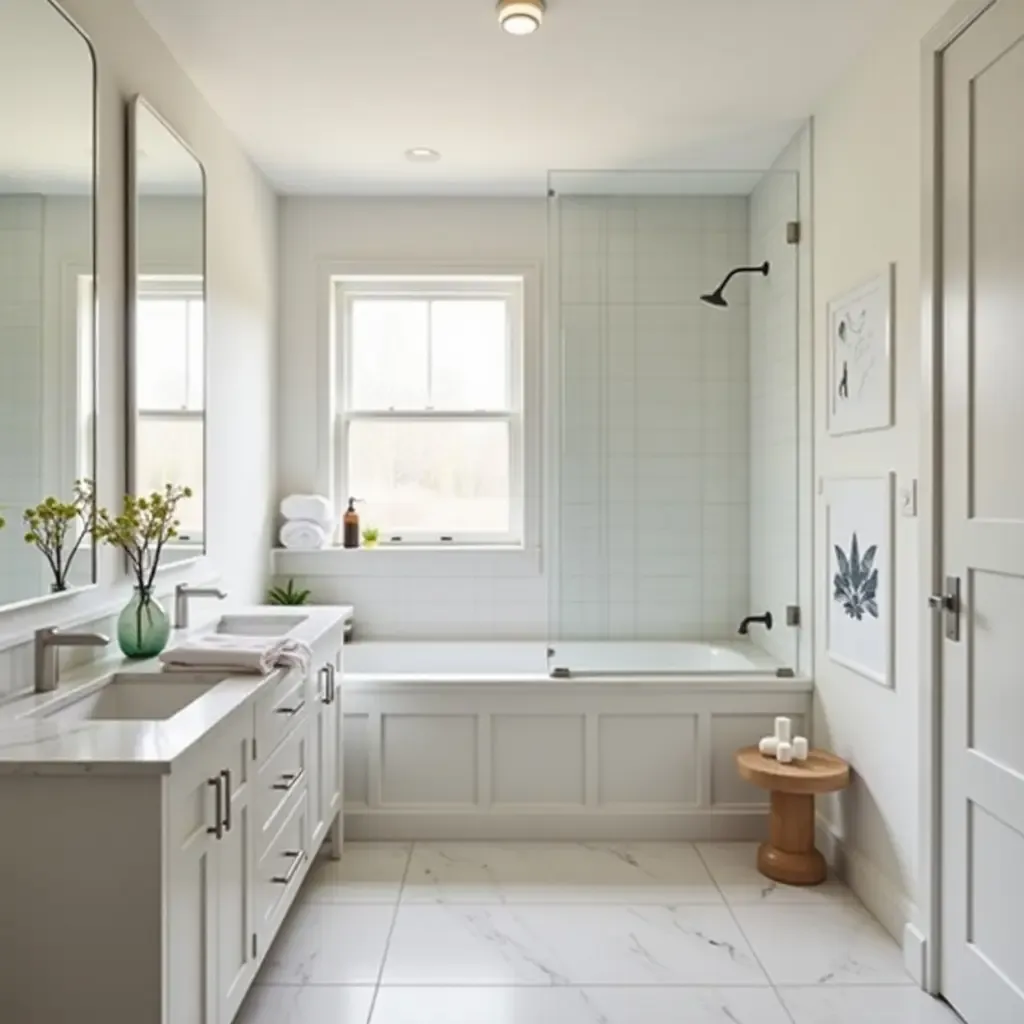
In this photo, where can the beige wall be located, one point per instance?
(867, 209)
(242, 255)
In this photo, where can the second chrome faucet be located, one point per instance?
(182, 593)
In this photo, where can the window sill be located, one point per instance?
(410, 560)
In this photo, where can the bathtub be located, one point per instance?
(538, 661)
(481, 740)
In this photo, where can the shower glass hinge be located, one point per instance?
(793, 232)
(792, 615)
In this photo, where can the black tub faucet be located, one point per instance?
(765, 620)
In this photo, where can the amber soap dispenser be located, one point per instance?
(350, 521)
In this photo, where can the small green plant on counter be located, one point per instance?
(288, 595)
(50, 526)
(371, 535)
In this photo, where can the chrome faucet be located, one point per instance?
(46, 643)
(182, 593)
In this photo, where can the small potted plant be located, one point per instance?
(289, 595)
(371, 536)
(50, 526)
(141, 530)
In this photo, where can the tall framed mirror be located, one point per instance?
(47, 303)
(167, 323)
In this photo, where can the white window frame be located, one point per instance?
(185, 287)
(346, 289)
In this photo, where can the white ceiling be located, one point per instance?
(327, 95)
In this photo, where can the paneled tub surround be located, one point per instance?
(178, 813)
(477, 741)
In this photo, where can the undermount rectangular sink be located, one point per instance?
(259, 625)
(134, 700)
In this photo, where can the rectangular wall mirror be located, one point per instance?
(47, 299)
(167, 322)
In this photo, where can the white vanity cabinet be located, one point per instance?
(151, 892)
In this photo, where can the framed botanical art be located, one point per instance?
(860, 357)
(859, 535)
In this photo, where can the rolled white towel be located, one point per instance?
(251, 655)
(313, 508)
(301, 535)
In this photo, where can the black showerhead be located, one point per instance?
(717, 297)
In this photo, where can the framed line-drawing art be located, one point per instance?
(859, 537)
(860, 357)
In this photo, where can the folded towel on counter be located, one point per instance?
(301, 535)
(313, 508)
(242, 655)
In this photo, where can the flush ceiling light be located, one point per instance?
(520, 17)
(422, 155)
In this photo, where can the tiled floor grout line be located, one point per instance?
(391, 932)
(746, 938)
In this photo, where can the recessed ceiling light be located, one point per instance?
(422, 155)
(521, 17)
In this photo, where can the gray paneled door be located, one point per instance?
(983, 523)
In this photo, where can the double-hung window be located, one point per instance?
(430, 398)
(170, 393)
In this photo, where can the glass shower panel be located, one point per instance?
(654, 531)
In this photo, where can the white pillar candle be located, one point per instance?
(783, 729)
(768, 746)
(784, 753)
(800, 748)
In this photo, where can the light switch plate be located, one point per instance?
(908, 500)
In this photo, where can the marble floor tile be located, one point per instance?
(829, 944)
(734, 867)
(827, 1004)
(578, 1006)
(329, 944)
(454, 944)
(658, 873)
(317, 1004)
(366, 873)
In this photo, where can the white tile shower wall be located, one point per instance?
(654, 454)
(774, 410)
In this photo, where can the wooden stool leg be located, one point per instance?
(789, 855)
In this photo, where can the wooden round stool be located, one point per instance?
(790, 855)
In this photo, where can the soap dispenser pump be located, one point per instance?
(350, 520)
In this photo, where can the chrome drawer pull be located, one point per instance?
(289, 780)
(226, 776)
(290, 711)
(286, 878)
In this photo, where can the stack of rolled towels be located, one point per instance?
(309, 522)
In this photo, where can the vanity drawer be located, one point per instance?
(281, 869)
(279, 710)
(284, 772)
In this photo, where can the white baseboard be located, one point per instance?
(915, 954)
(885, 899)
(558, 824)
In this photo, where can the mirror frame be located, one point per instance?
(94, 561)
(135, 104)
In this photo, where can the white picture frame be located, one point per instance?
(861, 598)
(860, 357)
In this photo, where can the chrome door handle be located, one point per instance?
(286, 878)
(226, 776)
(332, 677)
(218, 829)
(324, 691)
(949, 604)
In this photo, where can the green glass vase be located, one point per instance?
(143, 627)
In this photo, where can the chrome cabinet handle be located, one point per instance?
(290, 711)
(218, 829)
(290, 780)
(332, 682)
(226, 776)
(323, 685)
(286, 878)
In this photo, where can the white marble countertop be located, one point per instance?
(33, 744)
